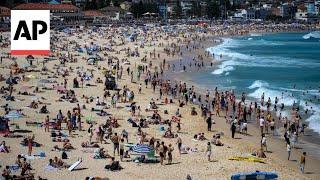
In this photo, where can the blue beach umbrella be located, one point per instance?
(141, 148)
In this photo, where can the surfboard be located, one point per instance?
(74, 165)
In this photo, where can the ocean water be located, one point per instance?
(283, 65)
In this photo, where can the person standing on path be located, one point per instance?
(289, 151)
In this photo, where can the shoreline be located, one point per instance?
(307, 140)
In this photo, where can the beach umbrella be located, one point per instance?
(13, 115)
(29, 57)
(141, 148)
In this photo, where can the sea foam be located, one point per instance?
(258, 84)
(314, 34)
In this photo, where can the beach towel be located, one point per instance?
(14, 168)
(129, 145)
(49, 168)
(33, 123)
(41, 154)
(247, 159)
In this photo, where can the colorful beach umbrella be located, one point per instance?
(141, 148)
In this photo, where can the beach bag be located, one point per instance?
(42, 154)
(64, 155)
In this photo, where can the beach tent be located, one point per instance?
(141, 148)
(255, 175)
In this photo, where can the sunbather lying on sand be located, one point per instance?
(100, 153)
(57, 163)
(66, 146)
(89, 145)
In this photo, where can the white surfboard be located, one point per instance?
(74, 165)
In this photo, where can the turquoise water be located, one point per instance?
(283, 65)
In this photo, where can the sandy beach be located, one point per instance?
(152, 49)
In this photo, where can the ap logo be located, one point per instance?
(30, 32)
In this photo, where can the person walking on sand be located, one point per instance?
(303, 161)
(264, 142)
(115, 140)
(30, 142)
(209, 123)
(170, 149)
(90, 133)
(233, 129)
(179, 142)
(121, 146)
(161, 152)
(289, 151)
(208, 151)
(46, 124)
(261, 123)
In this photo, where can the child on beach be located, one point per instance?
(264, 142)
(170, 149)
(208, 151)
